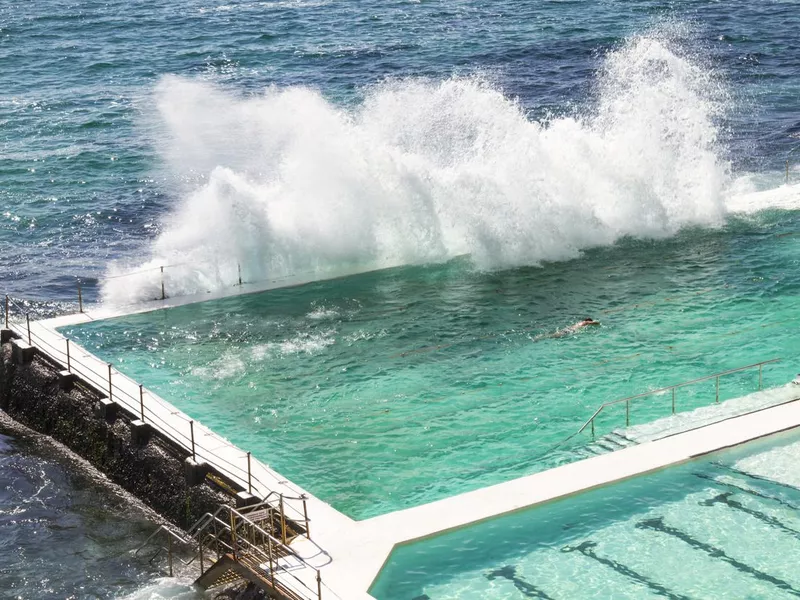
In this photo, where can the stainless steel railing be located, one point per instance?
(673, 389)
(150, 408)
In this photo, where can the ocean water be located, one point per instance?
(67, 534)
(328, 138)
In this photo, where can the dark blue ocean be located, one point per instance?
(318, 135)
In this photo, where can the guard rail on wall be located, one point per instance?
(162, 281)
(673, 389)
(151, 409)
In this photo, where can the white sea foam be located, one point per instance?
(302, 343)
(179, 588)
(288, 184)
(227, 366)
(748, 199)
(320, 313)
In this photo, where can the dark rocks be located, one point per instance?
(88, 425)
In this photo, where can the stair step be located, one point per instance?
(607, 445)
(621, 439)
(588, 451)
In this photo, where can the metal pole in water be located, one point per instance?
(163, 295)
(716, 399)
(169, 551)
(141, 401)
(7, 303)
(628, 413)
(249, 478)
(80, 297)
(28, 320)
(110, 393)
(68, 365)
(673, 401)
(191, 432)
(592, 427)
(239, 265)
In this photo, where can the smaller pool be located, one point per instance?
(726, 526)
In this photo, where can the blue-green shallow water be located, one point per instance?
(88, 172)
(724, 526)
(394, 388)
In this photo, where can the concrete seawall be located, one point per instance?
(153, 471)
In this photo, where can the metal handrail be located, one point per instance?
(137, 406)
(231, 525)
(234, 532)
(163, 282)
(672, 388)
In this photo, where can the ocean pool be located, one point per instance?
(393, 388)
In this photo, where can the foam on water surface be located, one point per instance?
(424, 171)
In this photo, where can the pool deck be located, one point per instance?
(349, 553)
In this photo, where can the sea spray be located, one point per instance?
(287, 183)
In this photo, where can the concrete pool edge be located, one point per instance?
(352, 553)
(576, 478)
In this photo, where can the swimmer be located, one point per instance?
(587, 322)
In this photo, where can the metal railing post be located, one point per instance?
(28, 321)
(673, 401)
(69, 368)
(283, 523)
(628, 413)
(191, 432)
(592, 427)
(305, 515)
(141, 400)
(716, 398)
(319, 586)
(110, 392)
(80, 297)
(271, 567)
(7, 305)
(163, 295)
(233, 534)
(249, 476)
(200, 551)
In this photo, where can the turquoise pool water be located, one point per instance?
(395, 388)
(725, 526)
